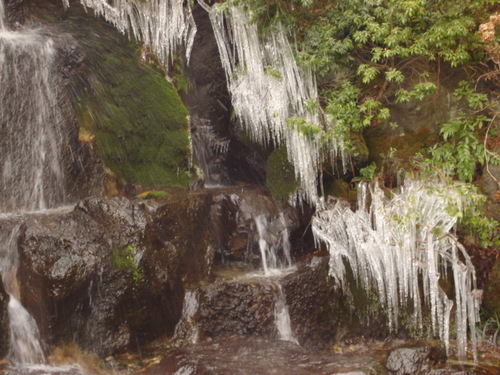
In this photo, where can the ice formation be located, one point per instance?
(268, 89)
(401, 247)
(163, 25)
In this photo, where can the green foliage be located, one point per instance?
(367, 173)
(462, 149)
(123, 260)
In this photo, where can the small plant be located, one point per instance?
(367, 173)
(123, 259)
(490, 329)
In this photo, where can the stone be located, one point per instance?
(412, 361)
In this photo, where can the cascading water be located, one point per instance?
(31, 175)
(401, 247)
(209, 152)
(274, 243)
(282, 317)
(25, 347)
(273, 238)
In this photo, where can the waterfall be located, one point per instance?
(401, 247)
(163, 25)
(282, 317)
(274, 243)
(187, 328)
(268, 89)
(25, 347)
(209, 151)
(31, 175)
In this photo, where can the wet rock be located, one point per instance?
(310, 299)
(236, 355)
(239, 308)
(414, 361)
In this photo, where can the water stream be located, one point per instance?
(31, 176)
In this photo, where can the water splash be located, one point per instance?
(268, 89)
(391, 244)
(31, 174)
(163, 25)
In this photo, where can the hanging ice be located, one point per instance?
(393, 243)
(163, 25)
(268, 89)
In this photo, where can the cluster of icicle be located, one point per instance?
(401, 246)
(268, 88)
(163, 25)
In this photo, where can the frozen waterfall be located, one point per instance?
(401, 247)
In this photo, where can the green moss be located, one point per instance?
(280, 175)
(139, 121)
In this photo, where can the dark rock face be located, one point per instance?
(217, 144)
(111, 273)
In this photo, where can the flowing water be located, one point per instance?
(25, 346)
(31, 175)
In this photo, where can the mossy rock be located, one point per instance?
(138, 119)
(280, 175)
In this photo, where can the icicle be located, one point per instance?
(392, 243)
(163, 25)
(268, 89)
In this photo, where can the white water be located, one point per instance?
(282, 317)
(25, 347)
(268, 88)
(392, 243)
(31, 175)
(163, 25)
(274, 243)
(187, 328)
(207, 149)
